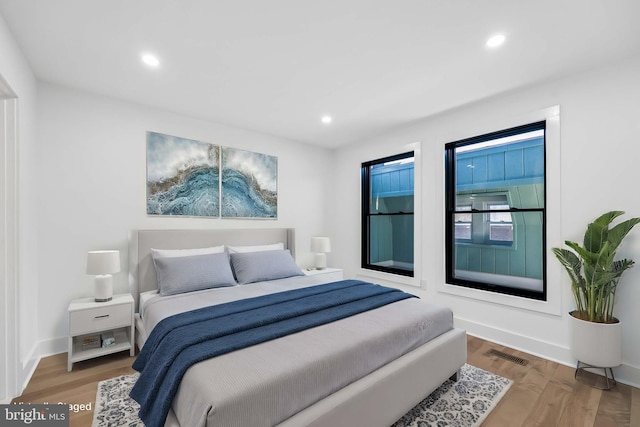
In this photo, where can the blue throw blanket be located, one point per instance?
(180, 341)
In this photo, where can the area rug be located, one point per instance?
(465, 403)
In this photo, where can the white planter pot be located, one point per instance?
(597, 344)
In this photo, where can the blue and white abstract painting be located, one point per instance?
(182, 176)
(249, 184)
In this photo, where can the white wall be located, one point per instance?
(19, 77)
(598, 171)
(92, 171)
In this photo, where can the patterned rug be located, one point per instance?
(464, 403)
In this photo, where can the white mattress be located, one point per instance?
(265, 384)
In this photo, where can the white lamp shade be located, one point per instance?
(320, 244)
(103, 262)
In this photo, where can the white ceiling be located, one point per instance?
(276, 66)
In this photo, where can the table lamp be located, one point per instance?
(102, 264)
(320, 246)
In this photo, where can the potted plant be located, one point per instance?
(595, 273)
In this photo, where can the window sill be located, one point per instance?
(548, 307)
(386, 278)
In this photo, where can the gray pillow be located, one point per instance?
(192, 273)
(253, 267)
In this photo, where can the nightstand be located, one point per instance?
(88, 320)
(332, 274)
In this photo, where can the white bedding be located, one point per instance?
(268, 383)
(165, 306)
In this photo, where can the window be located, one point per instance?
(495, 212)
(463, 223)
(500, 223)
(387, 214)
(495, 226)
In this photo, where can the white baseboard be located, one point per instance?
(53, 346)
(628, 374)
(546, 350)
(30, 363)
(625, 374)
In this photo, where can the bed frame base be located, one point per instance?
(385, 395)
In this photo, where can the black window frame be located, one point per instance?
(366, 216)
(450, 204)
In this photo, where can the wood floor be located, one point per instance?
(51, 383)
(543, 393)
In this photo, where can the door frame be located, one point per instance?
(9, 307)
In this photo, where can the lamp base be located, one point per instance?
(104, 288)
(321, 261)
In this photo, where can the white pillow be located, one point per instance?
(256, 248)
(170, 253)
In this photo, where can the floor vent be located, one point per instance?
(509, 357)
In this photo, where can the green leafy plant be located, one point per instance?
(592, 268)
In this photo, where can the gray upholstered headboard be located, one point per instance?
(142, 274)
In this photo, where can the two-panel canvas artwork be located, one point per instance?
(195, 178)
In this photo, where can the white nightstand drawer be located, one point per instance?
(99, 318)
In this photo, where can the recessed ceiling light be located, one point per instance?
(326, 119)
(495, 41)
(150, 60)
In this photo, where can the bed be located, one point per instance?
(368, 369)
